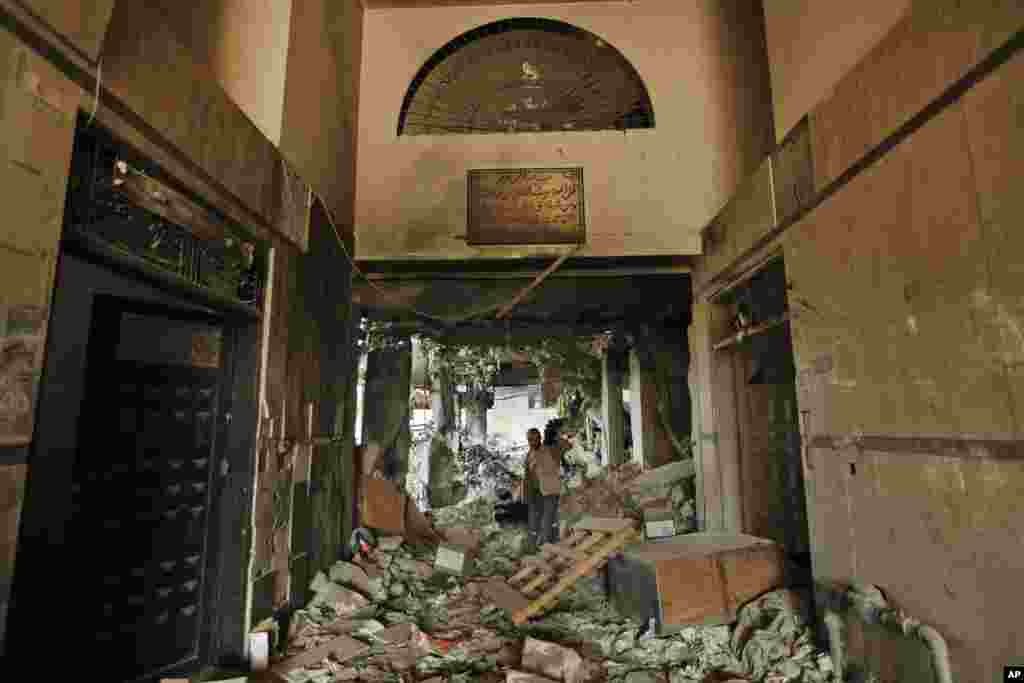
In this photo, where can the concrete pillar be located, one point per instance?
(477, 403)
(660, 412)
(442, 401)
(720, 505)
(611, 406)
(386, 407)
(651, 448)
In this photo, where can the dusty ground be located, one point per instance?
(454, 635)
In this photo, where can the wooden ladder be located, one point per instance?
(544, 577)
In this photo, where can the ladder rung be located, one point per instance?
(604, 525)
(563, 553)
(614, 542)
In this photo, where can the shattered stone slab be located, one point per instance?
(353, 576)
(343, 601)
(341, 649)
(513, 676)
(552, 660)
(389, 543)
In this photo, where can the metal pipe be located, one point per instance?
(868, 603)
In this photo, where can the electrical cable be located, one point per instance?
(96, 96)
(413, 309)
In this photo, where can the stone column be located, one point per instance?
(442, 401)
(660, 413)
(477, 403)
(443, 467)
(386, 407)
(611, 405)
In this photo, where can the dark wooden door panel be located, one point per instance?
(142, 493)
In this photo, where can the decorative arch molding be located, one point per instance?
(525, 75)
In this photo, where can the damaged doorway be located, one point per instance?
(142, 478)
(139, 491)
(126, 466)
(758, 354)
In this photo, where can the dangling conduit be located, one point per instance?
(870, 606)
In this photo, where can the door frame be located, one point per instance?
(223, 632)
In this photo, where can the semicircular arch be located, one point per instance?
(525, 74)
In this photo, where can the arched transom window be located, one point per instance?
(525, 75)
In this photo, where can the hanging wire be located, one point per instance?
(96, 96)
(423, 314)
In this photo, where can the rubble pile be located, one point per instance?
(408, 621)
(604, 495)
(487, 471)
(671, 484)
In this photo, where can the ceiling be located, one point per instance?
(581, 303)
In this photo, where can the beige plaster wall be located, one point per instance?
(321, 100)
(647, 191)
(245, 44)
(811, 45)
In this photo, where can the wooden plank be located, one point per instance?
(558, 552)
(550, 597)
(340, 649)
(605, 525)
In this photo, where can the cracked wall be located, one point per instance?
(906, 320)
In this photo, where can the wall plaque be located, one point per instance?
(526, 206)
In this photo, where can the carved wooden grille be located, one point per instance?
(525, 75)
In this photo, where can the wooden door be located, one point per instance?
(141, 488)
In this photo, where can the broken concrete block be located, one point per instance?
(642, 677)
(350, 575)
(664, 476)
(503, 595)
(413, 567)
(513, 676)
(553, 661)
(367, 627)
(389, 543)
(343, 601)
(470, 539)
(341, 649)
(454, 559)
(659, 520)
(320, 582)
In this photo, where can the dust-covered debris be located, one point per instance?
(418, 624)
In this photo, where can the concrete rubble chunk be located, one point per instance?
(662, 478)
(642, 677)
(399, 633)
(352, 576)
(513, 676)
(412, 567)
(320, 582)
(552, 660)
(343, 601)
(389, 543)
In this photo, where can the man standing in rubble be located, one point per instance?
(544, 484)
(531, 490)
